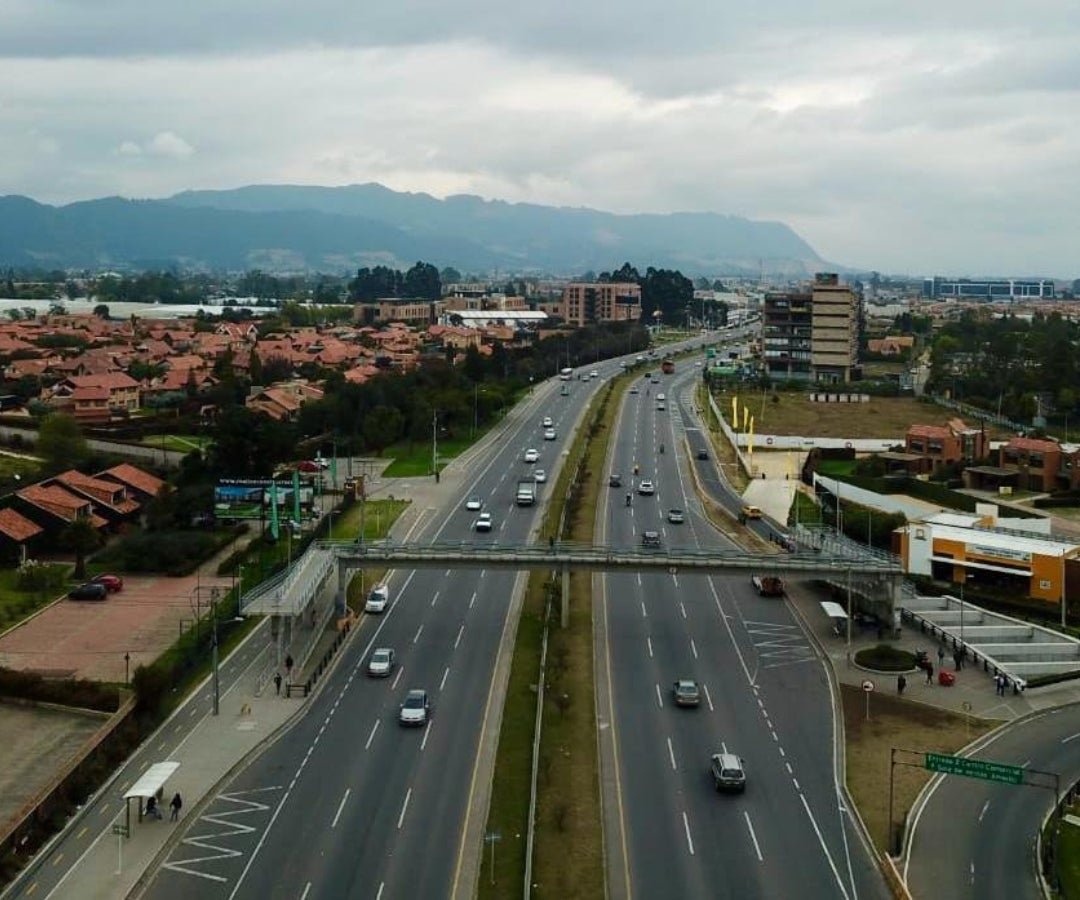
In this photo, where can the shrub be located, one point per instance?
(33, 576)
(885, 658)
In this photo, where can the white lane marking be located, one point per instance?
(671, 755)
(971, 868)
(404, 806)
(708, 698)
(427, 731)
(418, 633)
(682, 609)
(753, 837)
(686, 828)
(397, 678)
(307, 890)
(371, 736)
(434, 598)
(674, 578)
(341, 806)
(693, 648)
(824, 847)
(445, 675)
(659, 698)
(1071, 737)
(982, 812)
(639, 579)
(472, 600)
(644, 614)
(648, 641)
(378, 896)
(457, 640)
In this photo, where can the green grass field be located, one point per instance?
(16, 605)
(181, 443)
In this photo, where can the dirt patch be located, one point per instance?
(37, 742)
(793, 413)
(901, 724)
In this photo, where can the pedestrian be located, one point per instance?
(277, 683)
(901, 683)
(929, 673)
(958, 659)
(1001, 683)
(288, 665)
(940, 657)
(174, 806)
(152, 807)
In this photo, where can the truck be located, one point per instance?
(667, 366)
(769, 585)
(526, 493)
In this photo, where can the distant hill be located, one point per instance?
(290, 228)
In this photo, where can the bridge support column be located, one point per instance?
(565, 619)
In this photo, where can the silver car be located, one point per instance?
(416, 709)
(381, 663)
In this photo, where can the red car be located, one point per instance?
(113, 583)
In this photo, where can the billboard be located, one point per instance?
(249, 498)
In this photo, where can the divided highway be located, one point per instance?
(348, 803)
(764, 697)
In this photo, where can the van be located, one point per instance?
(378, 599)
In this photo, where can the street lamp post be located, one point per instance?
(214, 647)
(435, 444)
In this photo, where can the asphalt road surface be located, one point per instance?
(765, 697)
(976, 838)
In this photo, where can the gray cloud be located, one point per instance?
(925, 137)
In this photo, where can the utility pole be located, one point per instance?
(214, 593)
(435, 444)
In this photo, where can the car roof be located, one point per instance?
(727, 760)
(686, 682)
(416, 694)
(382, 651)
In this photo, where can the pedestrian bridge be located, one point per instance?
(290, 592)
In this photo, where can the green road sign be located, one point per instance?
(974, 768)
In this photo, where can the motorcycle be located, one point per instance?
(629, 499)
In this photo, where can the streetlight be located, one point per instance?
(963, 581)
(435, 444)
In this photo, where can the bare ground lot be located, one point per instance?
(37, 742)
(795, 414)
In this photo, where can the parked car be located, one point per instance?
(474, 503)
(381, 663)
(92, 590)
(483, 522)
(113, 583)
(685, 692)
(416, 708)
(727, 772)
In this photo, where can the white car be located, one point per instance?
(547, 423)
(532, 455)
(378, 599)
(646, 488)
(540, 476)
(381, 663)
(483, 522)
(594, 374)
(474, 503)
(415, 709)
(550, 434)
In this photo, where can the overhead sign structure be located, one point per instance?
(974, 768)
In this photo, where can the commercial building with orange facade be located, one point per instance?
(961, 548)
(586, 303)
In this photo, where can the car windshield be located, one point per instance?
(414, 701)
(381, 656)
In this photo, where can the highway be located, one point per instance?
(765, 697)
(347, 803)
(975, 838)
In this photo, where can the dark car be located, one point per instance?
(702, 453)
(727, 772)
(650, 539)
(113, 583)
(615, 481)
(92, 590)
(686, 692)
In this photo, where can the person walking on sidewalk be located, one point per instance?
(175, 806)
(152, 807)
(929, 673)
(277, 683)
(901, 683)
(940, 657)
(958, 659)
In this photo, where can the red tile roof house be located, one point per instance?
(139, 483)
(123, 390)
(1036, 462)
(110, 500)
(283, 401)
(17, 534)
(53, 507)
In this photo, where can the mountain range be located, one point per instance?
(286, 228)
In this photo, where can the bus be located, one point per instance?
(566, 374)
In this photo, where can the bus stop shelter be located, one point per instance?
(836, 614)
(149, 785)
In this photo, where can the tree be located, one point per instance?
(101, 311)
(450, 275)
(82, 538)
(61, 442)
(382, 427)
(422, 281)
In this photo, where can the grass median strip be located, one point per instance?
(568, 856)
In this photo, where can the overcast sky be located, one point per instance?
(913, 138)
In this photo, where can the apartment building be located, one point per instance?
(812, 334)
(585, 303)
(942, 445)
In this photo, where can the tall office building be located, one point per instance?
(812, 335)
